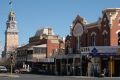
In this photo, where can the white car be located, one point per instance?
(3, 69)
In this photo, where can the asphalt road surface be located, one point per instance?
(45, 77)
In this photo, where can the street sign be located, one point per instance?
(94, 52)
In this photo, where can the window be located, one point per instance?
(119, 20)
(104, 19)
(118, 38)
(43, 50)
(104, 25)
(93, 39)
(105, 39)
(38, 50)
(9, 18)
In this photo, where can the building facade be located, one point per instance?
(40, 49)
(92, 48)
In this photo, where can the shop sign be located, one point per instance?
(46, 60)
(94, 52)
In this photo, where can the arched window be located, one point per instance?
(119, 21)
(93, 39)
(105, 40)
(118, 38)
(68, 47)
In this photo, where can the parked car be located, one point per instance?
(38, 70)
(22, 70)
(3, 69)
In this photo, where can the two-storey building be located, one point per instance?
(38, 52)
(92, 47)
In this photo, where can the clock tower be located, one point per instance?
(11, 34)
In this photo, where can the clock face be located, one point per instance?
(12, 26)
(78, 30)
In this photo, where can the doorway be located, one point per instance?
(117, 68)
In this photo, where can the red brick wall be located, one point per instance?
(112, 37)
(114, 28)
(105, 27)
(51, 47)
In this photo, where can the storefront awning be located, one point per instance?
(44, 60)
(43, 45)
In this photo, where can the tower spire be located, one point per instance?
(11, 16)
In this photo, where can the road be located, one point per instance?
(45, 77)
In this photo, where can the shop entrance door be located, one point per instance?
(117, 68)
(104, 65)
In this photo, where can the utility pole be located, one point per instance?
(11, 64)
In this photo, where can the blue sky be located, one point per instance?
(59, 14)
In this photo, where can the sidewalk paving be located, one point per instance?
(8, 75)
(81, 76)
(92, 77)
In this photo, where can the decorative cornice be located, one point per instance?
(111, 14)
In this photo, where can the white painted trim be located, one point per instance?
(117, 31)
(93, 33)
(104, 32)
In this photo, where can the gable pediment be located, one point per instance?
(78, 19)
(78, 25)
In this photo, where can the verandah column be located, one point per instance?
(73, 66)
(67, 66)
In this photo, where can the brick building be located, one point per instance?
(40, 49)
(92, 47)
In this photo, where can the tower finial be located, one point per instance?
(10, 3)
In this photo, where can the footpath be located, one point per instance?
(8, 75)
(85, 77)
